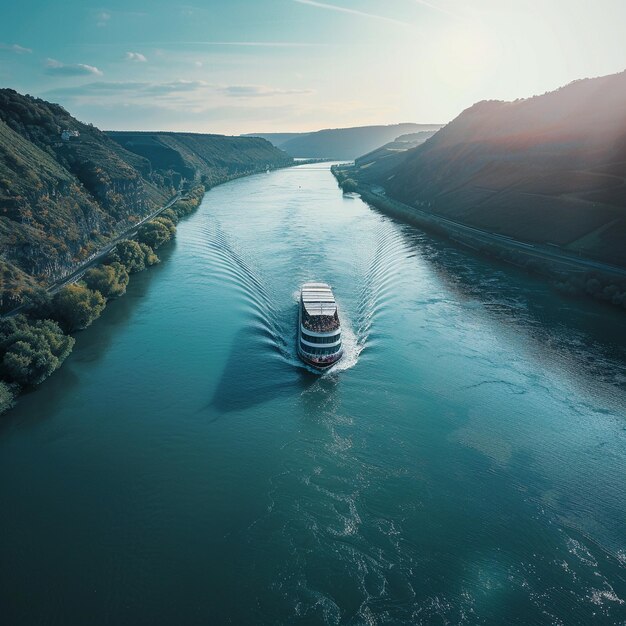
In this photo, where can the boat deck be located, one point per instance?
(319, 309)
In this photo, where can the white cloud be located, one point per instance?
(136, 56)
(75, 69)
(250, 44)
(100, 88)
(339, 9)
(434, 7)
(256, 91)
(14, 47)
(190, 90)
(176, 86)
(103, 18)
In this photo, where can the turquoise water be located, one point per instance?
(465, 463)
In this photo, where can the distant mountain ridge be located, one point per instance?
(342, 143)
(63, 195)
(276, 139)
(549, 169)
(382, 160)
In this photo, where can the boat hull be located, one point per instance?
(320, 364)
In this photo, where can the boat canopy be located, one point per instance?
(318, 299)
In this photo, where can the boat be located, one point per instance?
(319, 330)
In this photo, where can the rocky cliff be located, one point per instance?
(66, 188)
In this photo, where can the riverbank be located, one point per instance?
(73, 274)
(35, 343)
(36, 338)
(571, 274)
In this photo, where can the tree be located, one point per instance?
(349, 185)
(38, 302)
(188, 205)
(7, 397)
(132, 255)
(110, 280)
(31, 350)
(76, 306)
(150, 258)
(156, 232)
(171, 215)
(168, 223)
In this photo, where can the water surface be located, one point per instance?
(465, 463)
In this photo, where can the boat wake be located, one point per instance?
(380, 282)
(276, 325)
(233, 266)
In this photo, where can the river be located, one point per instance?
(465, 463)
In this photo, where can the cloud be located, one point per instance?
(103, 18)
(100, 88)
(256, 91)
(175, 86)
(189, 91)
(255, 44)
(76, 69)
(136, 56)
(14, 47)
(339, 9)
(434, 7)
(132, 88)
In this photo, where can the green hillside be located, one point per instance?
(212, 158)
(545, 170)
(61, 199)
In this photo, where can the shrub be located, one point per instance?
(7, 397)
(184, 207)
(132, 255)
(76, 306)
(110, 280)
(188, 205)
(31, 350)
(170, 214)
(348, 185)
(149, 257)
(156, 232)
(168, 223)
(38, 302)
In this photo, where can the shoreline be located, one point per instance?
(573, 275)
(44, 322)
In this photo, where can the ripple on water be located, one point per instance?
(344, 561)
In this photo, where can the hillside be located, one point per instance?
(212, 158)
(344, 143)
(378, 163)
(63, 199)
(276, 139)
(549, 169)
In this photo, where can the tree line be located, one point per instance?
(34, 344)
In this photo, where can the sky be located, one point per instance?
(244, 66)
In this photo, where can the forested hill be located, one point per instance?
(343, 143)
(208, 157)
(63, 195)
(549, 169)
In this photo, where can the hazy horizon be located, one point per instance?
(299, 65)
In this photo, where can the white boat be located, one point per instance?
(319, 330)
